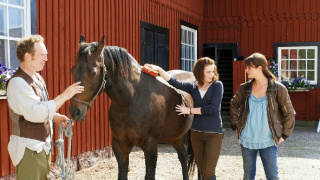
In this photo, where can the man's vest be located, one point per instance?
(20, 126)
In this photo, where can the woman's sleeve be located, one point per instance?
(184, 86)
(235, 107)
(215, 102)
(288, 112)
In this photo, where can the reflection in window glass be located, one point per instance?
(293, 54)
(302, 73)
(293, 64)
(284, 54)
(284, 65)
(15, 22)
(310, 75)
(15, 62)
(284, 74)
(3, 21)
(2, 52)
(310, 64)
(292, 74)
(16, 2)
(311, 54)
(301, 64)
(302, 54)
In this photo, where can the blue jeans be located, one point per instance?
(269, 160)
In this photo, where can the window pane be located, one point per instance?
(3, 1)
(187, 65)
(2, 52)
(302, 54)
(16, 2)
(14, 62)
(293, 65)
(311, 54)
(191, 40)
(183, 49)
(284, 65)
(183, 36)
(182, 64)
(310, 75)
(310, 65)
(284, 54)
(293, 54)
(302, 73)
(187, 52)
(284, 75)
(302, 64)
(3, 21)
(292, 74)
(15, 22)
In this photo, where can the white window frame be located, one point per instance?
(188, 54)
(27, 28)
(280, 59)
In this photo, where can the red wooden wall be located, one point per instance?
(256, 25)
(61, 22)
(304, 103)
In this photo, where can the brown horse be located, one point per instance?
(142, 111)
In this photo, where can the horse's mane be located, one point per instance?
(117, 60)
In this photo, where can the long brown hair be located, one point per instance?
(198, 69)
(255, 60)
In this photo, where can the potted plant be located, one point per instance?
(298, 83)
(5, 74)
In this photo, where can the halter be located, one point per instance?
(102, 86)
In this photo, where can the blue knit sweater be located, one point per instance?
(210, 118)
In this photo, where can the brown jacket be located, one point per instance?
(280, 112)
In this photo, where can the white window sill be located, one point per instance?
(3, 97)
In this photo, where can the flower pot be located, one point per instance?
(3, 92)
(299, 89)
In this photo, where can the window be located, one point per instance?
(14, 24)
(188, 48)
(298, 61)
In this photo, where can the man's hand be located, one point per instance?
(59, 118)
(72, 90)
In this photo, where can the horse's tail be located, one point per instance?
(191, 161)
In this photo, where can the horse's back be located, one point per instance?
(182, 75)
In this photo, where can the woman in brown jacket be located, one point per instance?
(263, 115)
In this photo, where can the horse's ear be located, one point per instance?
(101, 45)
(82, 39)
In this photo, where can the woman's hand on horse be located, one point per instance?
(157, 69)
(181, 109)
(152, 67)
(75, 88)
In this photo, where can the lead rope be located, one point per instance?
(59, 143)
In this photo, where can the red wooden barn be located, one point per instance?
(170, 33)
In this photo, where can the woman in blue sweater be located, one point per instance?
(206, 129)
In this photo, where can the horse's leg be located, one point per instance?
(151, 155)
(121, 151)
(182, 155)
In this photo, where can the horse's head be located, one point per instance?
(90, 70)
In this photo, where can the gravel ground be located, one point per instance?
(298, 159)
